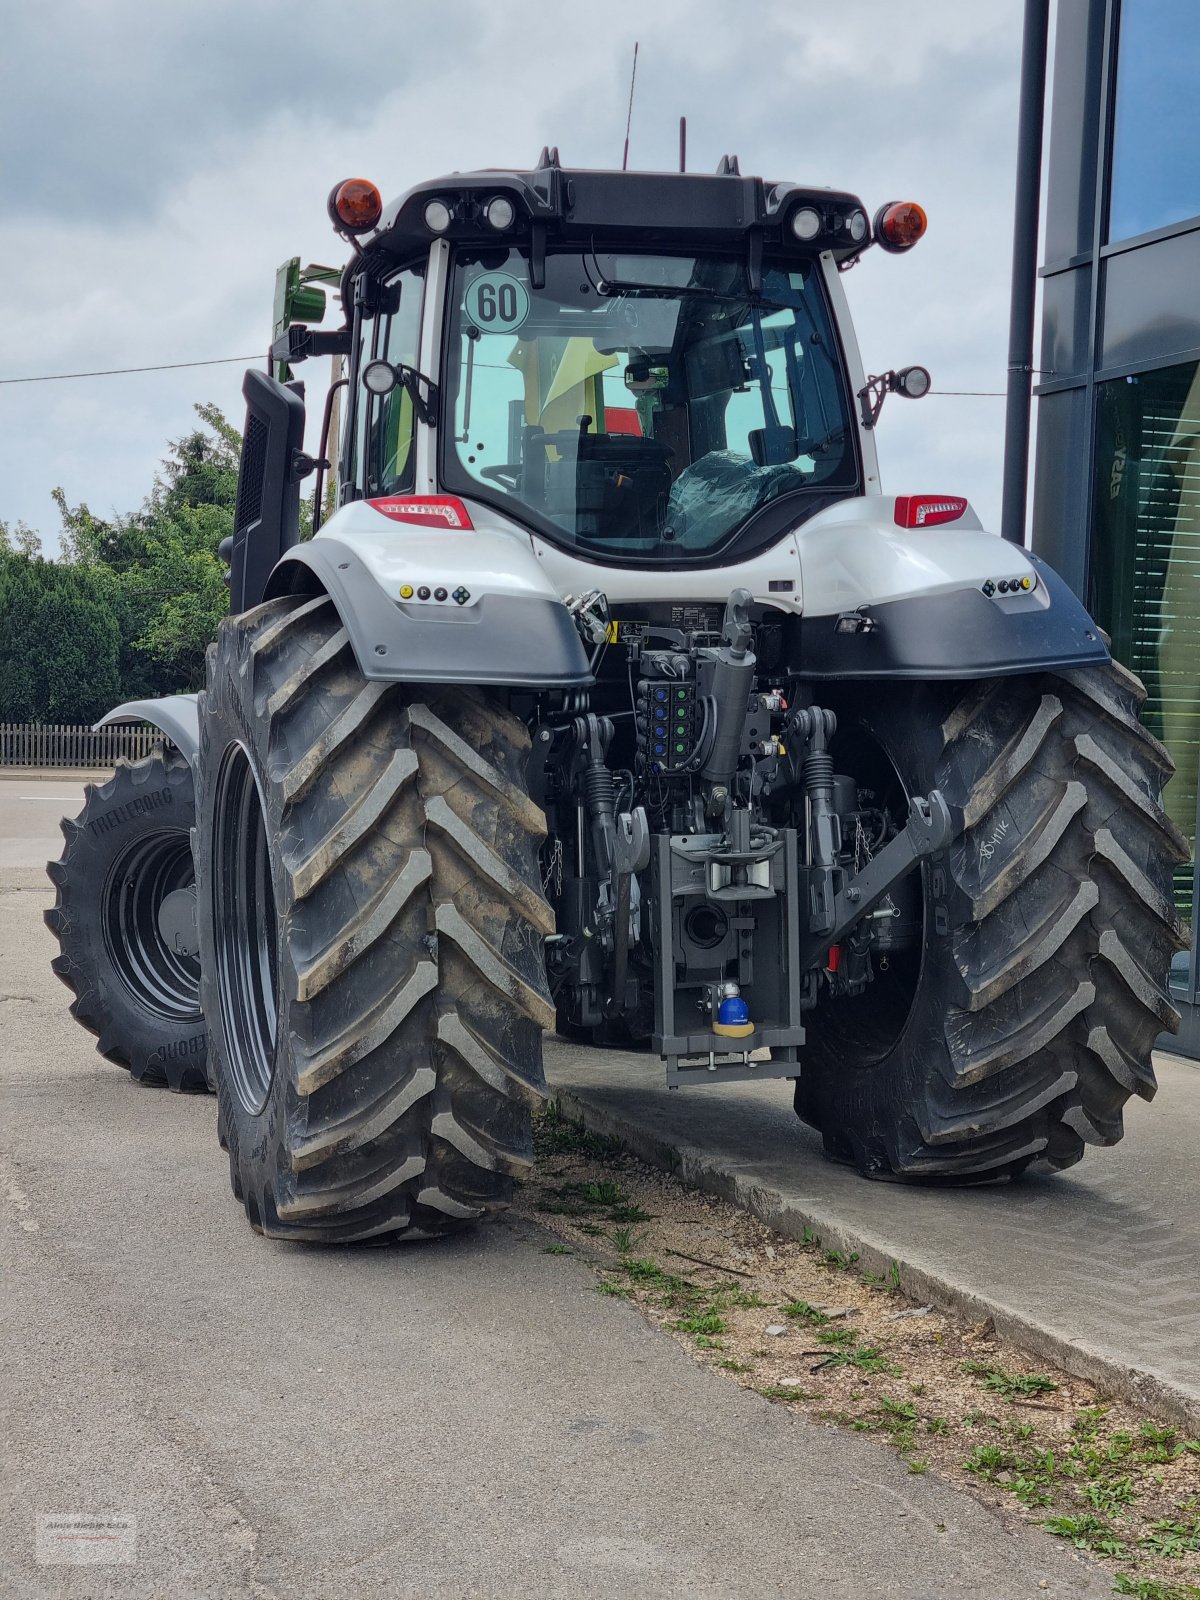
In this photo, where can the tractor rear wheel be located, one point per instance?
(1014, 1035)
(124, 918)
(371, 924)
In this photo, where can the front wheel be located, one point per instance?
(1024, 1019)
(371, 925)
(124, 916)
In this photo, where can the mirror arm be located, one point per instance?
(877, 388)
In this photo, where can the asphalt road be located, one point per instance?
(460, 1419)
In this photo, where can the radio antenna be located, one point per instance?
(683, 144)
(629, 118)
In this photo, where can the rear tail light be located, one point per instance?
(428, 511)
(927, 510)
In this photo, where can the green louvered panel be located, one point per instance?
(1146, 564)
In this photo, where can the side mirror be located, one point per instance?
(912, 382)
(266, 518)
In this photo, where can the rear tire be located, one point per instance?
(1049, 926)
(126, 852)
(371, 923)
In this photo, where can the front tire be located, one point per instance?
(1014, 1036)
(124, 918)
(371, 923)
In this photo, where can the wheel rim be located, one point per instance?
(244, 928)
(161, 972)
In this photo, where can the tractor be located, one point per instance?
(615, 697)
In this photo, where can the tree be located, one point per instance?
(59, 642)
(160, 566)
(20, 539)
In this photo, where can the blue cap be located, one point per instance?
(733, 1011)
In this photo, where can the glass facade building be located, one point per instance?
(1117, 477)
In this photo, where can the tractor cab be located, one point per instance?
(643, 369)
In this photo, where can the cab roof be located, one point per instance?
(553, 205)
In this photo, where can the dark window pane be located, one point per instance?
(1156, 177)
(1066, 306)
(1151, 308)
(1145, 578)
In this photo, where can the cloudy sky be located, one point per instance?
(161, 160)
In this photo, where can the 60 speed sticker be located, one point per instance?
(497, 302)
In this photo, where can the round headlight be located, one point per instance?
(500, 212)
(856, 226)
(379, 377)
(437, 216)
(806, 223)
(913, 382)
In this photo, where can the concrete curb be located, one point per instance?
(1152, 1391)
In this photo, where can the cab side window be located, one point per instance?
(391, 421)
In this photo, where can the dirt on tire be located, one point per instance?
(1028, 1018)
(408, 988)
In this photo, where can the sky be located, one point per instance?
(161, 161)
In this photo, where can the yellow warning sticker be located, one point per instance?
(613, 632)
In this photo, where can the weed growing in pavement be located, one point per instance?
(1086, 1532)
(800, 1310)
(842, 1336)
(706, 1322)
(557, 1250)
(1151, 1589)
(1173, 1539)
(996, 1381)
(1097, 1473)
(867, 1358)
(1109, 1496)
(556, 1135)
(889, 1284)
(624, 1241)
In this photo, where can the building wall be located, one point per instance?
(1117, 480)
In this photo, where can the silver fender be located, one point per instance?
(177, 715)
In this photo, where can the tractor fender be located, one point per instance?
(177, 716)
(881, 601)
(951, 633)
(504, 634)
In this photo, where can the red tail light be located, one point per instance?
(927, 510)
(428, 511)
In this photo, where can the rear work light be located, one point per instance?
(927, 510)
(428, 511)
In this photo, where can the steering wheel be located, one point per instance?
(507, 474)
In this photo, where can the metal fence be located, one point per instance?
(35, 744)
